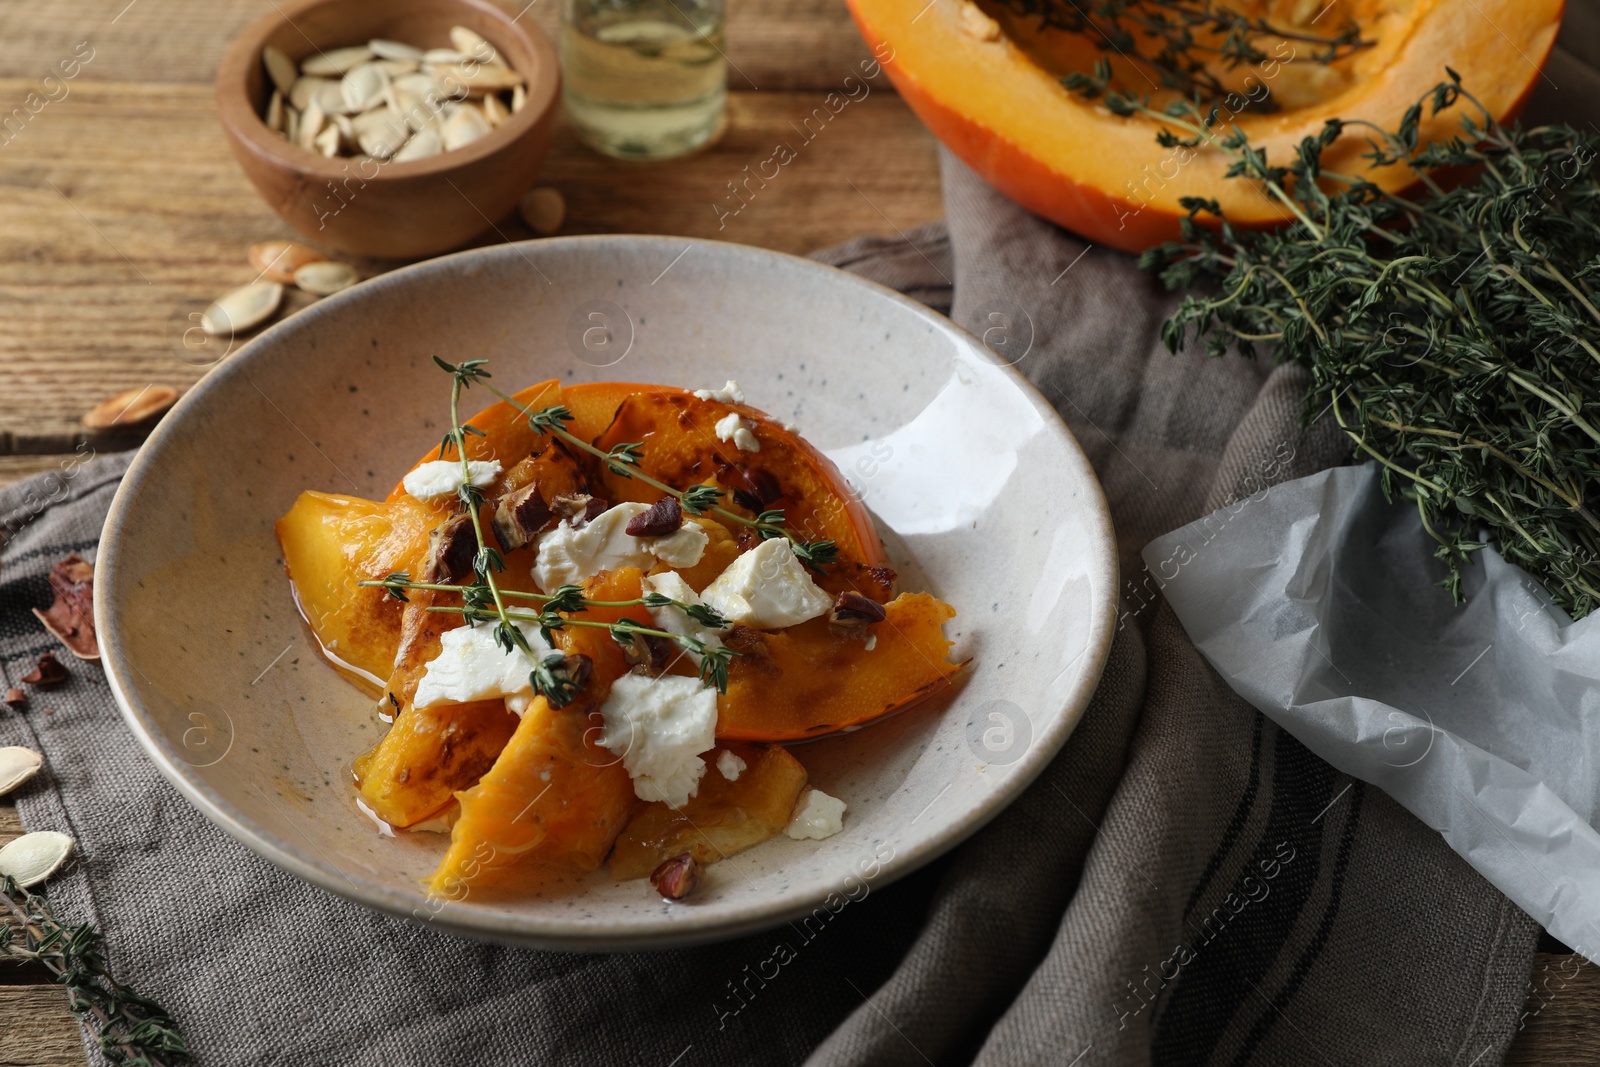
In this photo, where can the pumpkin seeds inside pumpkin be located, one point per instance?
(242, 309)
(32, 858)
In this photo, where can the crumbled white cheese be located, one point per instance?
(733, 428)
(816, 815)
(568, 554)
(767, 588)
(442, 477)
(675, 620)
(471, 666)
(871, 643)
(728, 394)
(730, 765)
(659, 727)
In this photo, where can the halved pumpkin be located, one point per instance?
(996, 101)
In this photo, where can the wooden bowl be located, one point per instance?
(395, 210)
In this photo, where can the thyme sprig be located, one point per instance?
(547, 675)
(132, 1029)
(1452, 335)
(566, 598)
(623, 460)
(1183, 42)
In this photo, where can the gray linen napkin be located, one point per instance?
(1185, 883)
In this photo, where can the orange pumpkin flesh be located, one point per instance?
(805, 682)
(722, 818)
(1000, 107)
(553, 796)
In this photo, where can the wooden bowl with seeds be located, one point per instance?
(394, 195)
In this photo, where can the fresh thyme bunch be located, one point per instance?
(1454, 335)
(132, 1029)
(1184, 42)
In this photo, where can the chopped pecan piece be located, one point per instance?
(577, 667)
(522, 516)
(47, 673)
(451, 549)
(578, 508)
(676, 878)
(71, 617)
(852, 613)
(753, 490)
(663, 517)
(15, 698)
(648, 650)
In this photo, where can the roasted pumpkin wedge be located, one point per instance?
(554, 796)
(806, 681)
(428, 754)
(723, 818)
(330, 543)
(987, 82)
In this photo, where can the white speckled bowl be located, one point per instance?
(983, 496)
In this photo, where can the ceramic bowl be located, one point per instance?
(377, 208)
(982, 495)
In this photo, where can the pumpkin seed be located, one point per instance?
(327, 141)
(397, 67)
(336, 62)
(426, 143)
(463, 126)
(480, 78)
(17, 765)
(394, 49)
(305, 90)
(325, 279)
(311, 124)
(363, 87)
(242, 309)
(291, 124)
(280, 68)
(519, 96)
(128, 408)
(441, 57)
(32, 858)
(543, 210)
(278, 260)
(494, 110)
(472, 44)
(275, 112)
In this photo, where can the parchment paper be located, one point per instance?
(1317, 601)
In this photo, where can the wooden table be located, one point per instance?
(122, 212)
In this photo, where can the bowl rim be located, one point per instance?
(250, 130)
(556, 934)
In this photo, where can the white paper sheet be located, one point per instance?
(1316, 600)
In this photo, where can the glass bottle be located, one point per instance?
(643, 79)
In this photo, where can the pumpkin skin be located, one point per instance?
(1000, 107)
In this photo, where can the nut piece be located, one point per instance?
(17, 765)
(130, 407)
(451, 550)
(663, 517)
(647, 650)
(852, 613)
(32, 858)
(47, 672)
(676, 878)
(754, 490)
(578, 508)
(242, 309)
(16, 698)
(71, 616)
(325, 279)
(543, 209)
(521, 516)
(577, 667)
